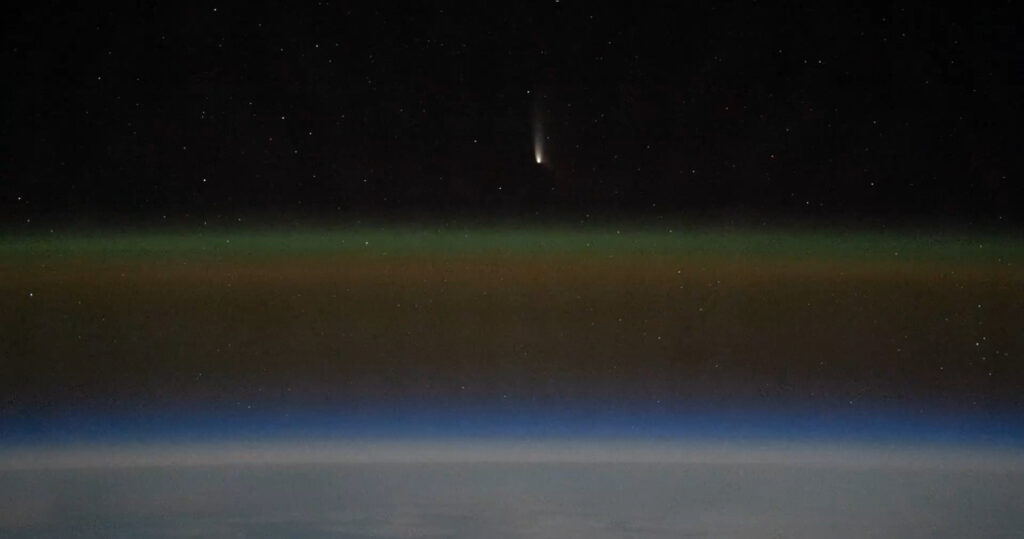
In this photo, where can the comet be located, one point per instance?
(538, 130)
(538, 140)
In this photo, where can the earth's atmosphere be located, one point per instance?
(389, 382)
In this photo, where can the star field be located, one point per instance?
(203, 112)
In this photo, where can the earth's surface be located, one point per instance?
(499, 491)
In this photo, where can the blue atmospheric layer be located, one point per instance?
(211, 424)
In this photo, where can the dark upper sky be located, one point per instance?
(323, 107)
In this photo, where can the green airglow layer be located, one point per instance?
(615, 241)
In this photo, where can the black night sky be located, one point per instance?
(890, 112)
